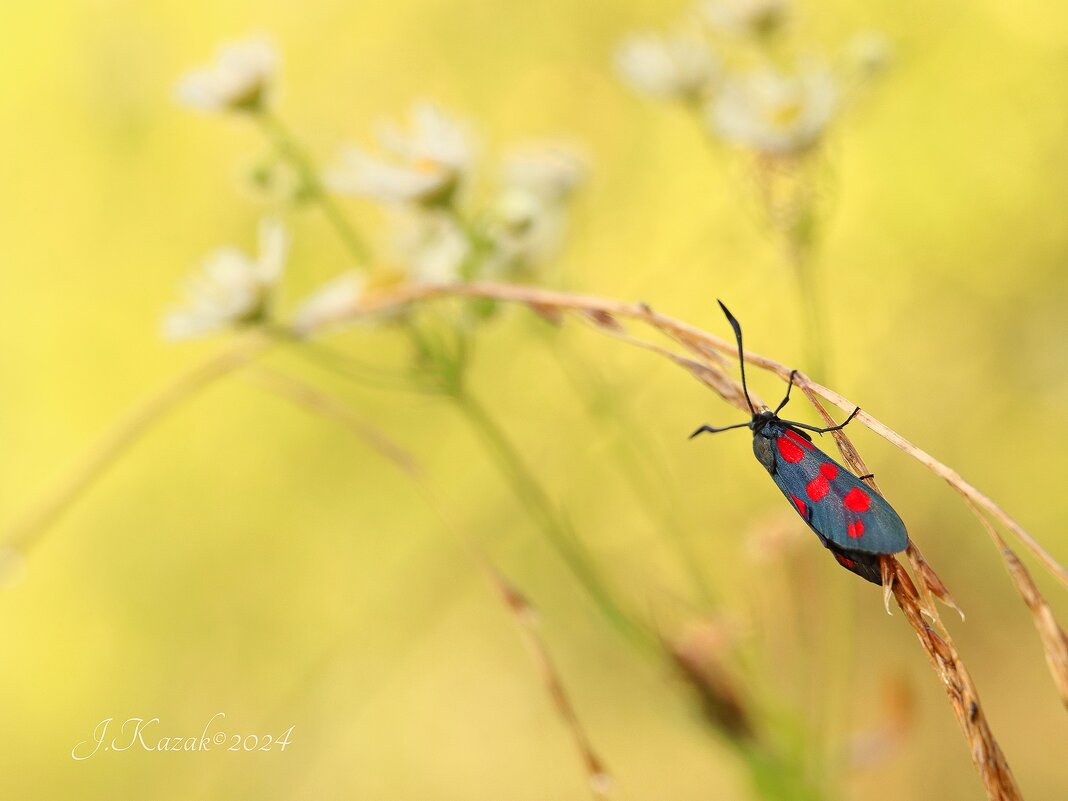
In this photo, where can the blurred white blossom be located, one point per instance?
(746, 17)
(431, 246)
(425, 164)
(329, 303)
(231, 288)
(774, 112)
(679, 66)
(552, 170)
(528, 219)
(239, 79)
(525, 230)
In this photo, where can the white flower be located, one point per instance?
(773, 112)
(231, 288)
(426, 164)
(746, 17)
(527, 220)
(676, 67)
(551, 170)
(431, 246)
(330, 303)
(526, 229)
(239, 79)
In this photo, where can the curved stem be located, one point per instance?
(705, 345)
(289, 149)
(817, 345)
(557, 530)
(126, 433)
(637, 459)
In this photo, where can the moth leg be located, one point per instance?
(789, 386)
(866, 475)
(841, 425)
(827, 430)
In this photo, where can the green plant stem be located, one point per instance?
(289, 149)
(775, 779)
(557, 530)
(817, 346)
(636, 458)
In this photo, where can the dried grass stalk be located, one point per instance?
(326, 405)
(104, 453)
(318, 402)
(1054, 640)
(699, 655)
(599, 779)
(987, 756)
(703, 344)
(915, 603)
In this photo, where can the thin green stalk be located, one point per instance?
(817, 347)
(830, 660)
(289, 149)
(557, 530)
(775, 779)
(635, 456)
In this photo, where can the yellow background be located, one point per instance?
(249, 559)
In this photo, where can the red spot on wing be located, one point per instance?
(828, 471)
(804, 443)
(789, 451)
(792, 445)
(800, 504)
(857, 500)
(855, 529)
(817, 488)
(844, 561)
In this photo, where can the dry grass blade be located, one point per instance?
(701, 343)
(327, 406)
(963, 698)
(915, 603)
(526, 616)
(303, 395)
(1054, 640)
(698, 654)
(126, 432)
(709, 375)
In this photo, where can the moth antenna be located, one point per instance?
(741, 360)
(712, 430)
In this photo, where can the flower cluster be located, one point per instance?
(422, 172)
(232, 289)
(733, 62)
(240, 79)
(424, 175)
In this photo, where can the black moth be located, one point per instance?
(851, 520)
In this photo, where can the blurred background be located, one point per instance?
(248, 558)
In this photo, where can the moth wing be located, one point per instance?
(834, 502)
(865, 565)
(856, 518)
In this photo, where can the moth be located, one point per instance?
(851, 520)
